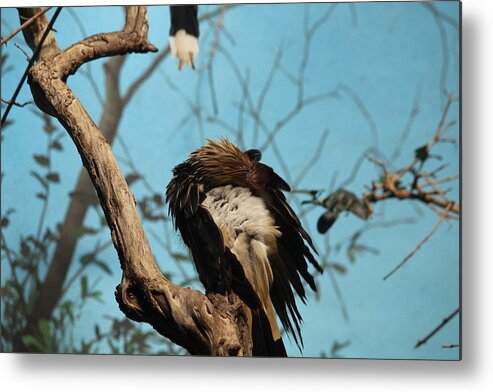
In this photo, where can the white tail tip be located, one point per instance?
(185, 48)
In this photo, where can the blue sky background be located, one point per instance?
(387, 53)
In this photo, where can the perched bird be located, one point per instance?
(244, 237)
(184, 34)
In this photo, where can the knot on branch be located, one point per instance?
(39, 94)
(128, 300)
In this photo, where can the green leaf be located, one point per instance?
(158, 199)
(48, 127)
(56, 145)
(97, 295)
(84, 289)
(42, 160)
(84, 230)
(49, 236)
(421, 153)
(366, 248)
(32, 342)
(180, 257)
(128, 347)
(66, 309)
(132, 177)
(44, 328)
(90, 258)
(41, 196)
(341, 269)
(101, 264)
(113, 347)
(53, 177)
(39, 245)
(85, 348)
(97, 332)
(87, 198)
(25, 250)
(87, 258)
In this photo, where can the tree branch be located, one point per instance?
(437, 328)
(418, 246)
(24, 25)
(43, 36)
(207, 325)
(51, 289)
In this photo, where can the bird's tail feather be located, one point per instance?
(264, 344)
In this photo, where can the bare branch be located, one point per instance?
(444, 322)
(390, 187)
(419, 245)
(51, 288)
(364, 111)
(407, 128)
(311, 163)
(20, 105)
(455, 345)
(38, 46)
(25, 24)
(207, 325)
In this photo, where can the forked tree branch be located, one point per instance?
(207, 325)
(115, 102)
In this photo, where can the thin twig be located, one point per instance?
(20, 105)
(437, 328)
(455, 345)
(419, 245)
(407, 128)
(364, 111)
(335, 284)
(26, 55)
(31, 62)
(339, 295)
(24, 25)
(354, 171)
(310, 164)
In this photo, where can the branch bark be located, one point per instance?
(51, 289)
(203, 324)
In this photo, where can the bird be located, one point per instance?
(244, 237)
(184, 34)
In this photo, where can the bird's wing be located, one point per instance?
(219, 269)
(289, 262)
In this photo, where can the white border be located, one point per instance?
(474, 373)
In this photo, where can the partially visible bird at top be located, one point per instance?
(244, 237)
(184, 34)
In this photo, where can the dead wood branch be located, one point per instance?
(115, 102)
(390, 185)
(207, 325)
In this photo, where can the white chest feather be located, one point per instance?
(248, 230)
